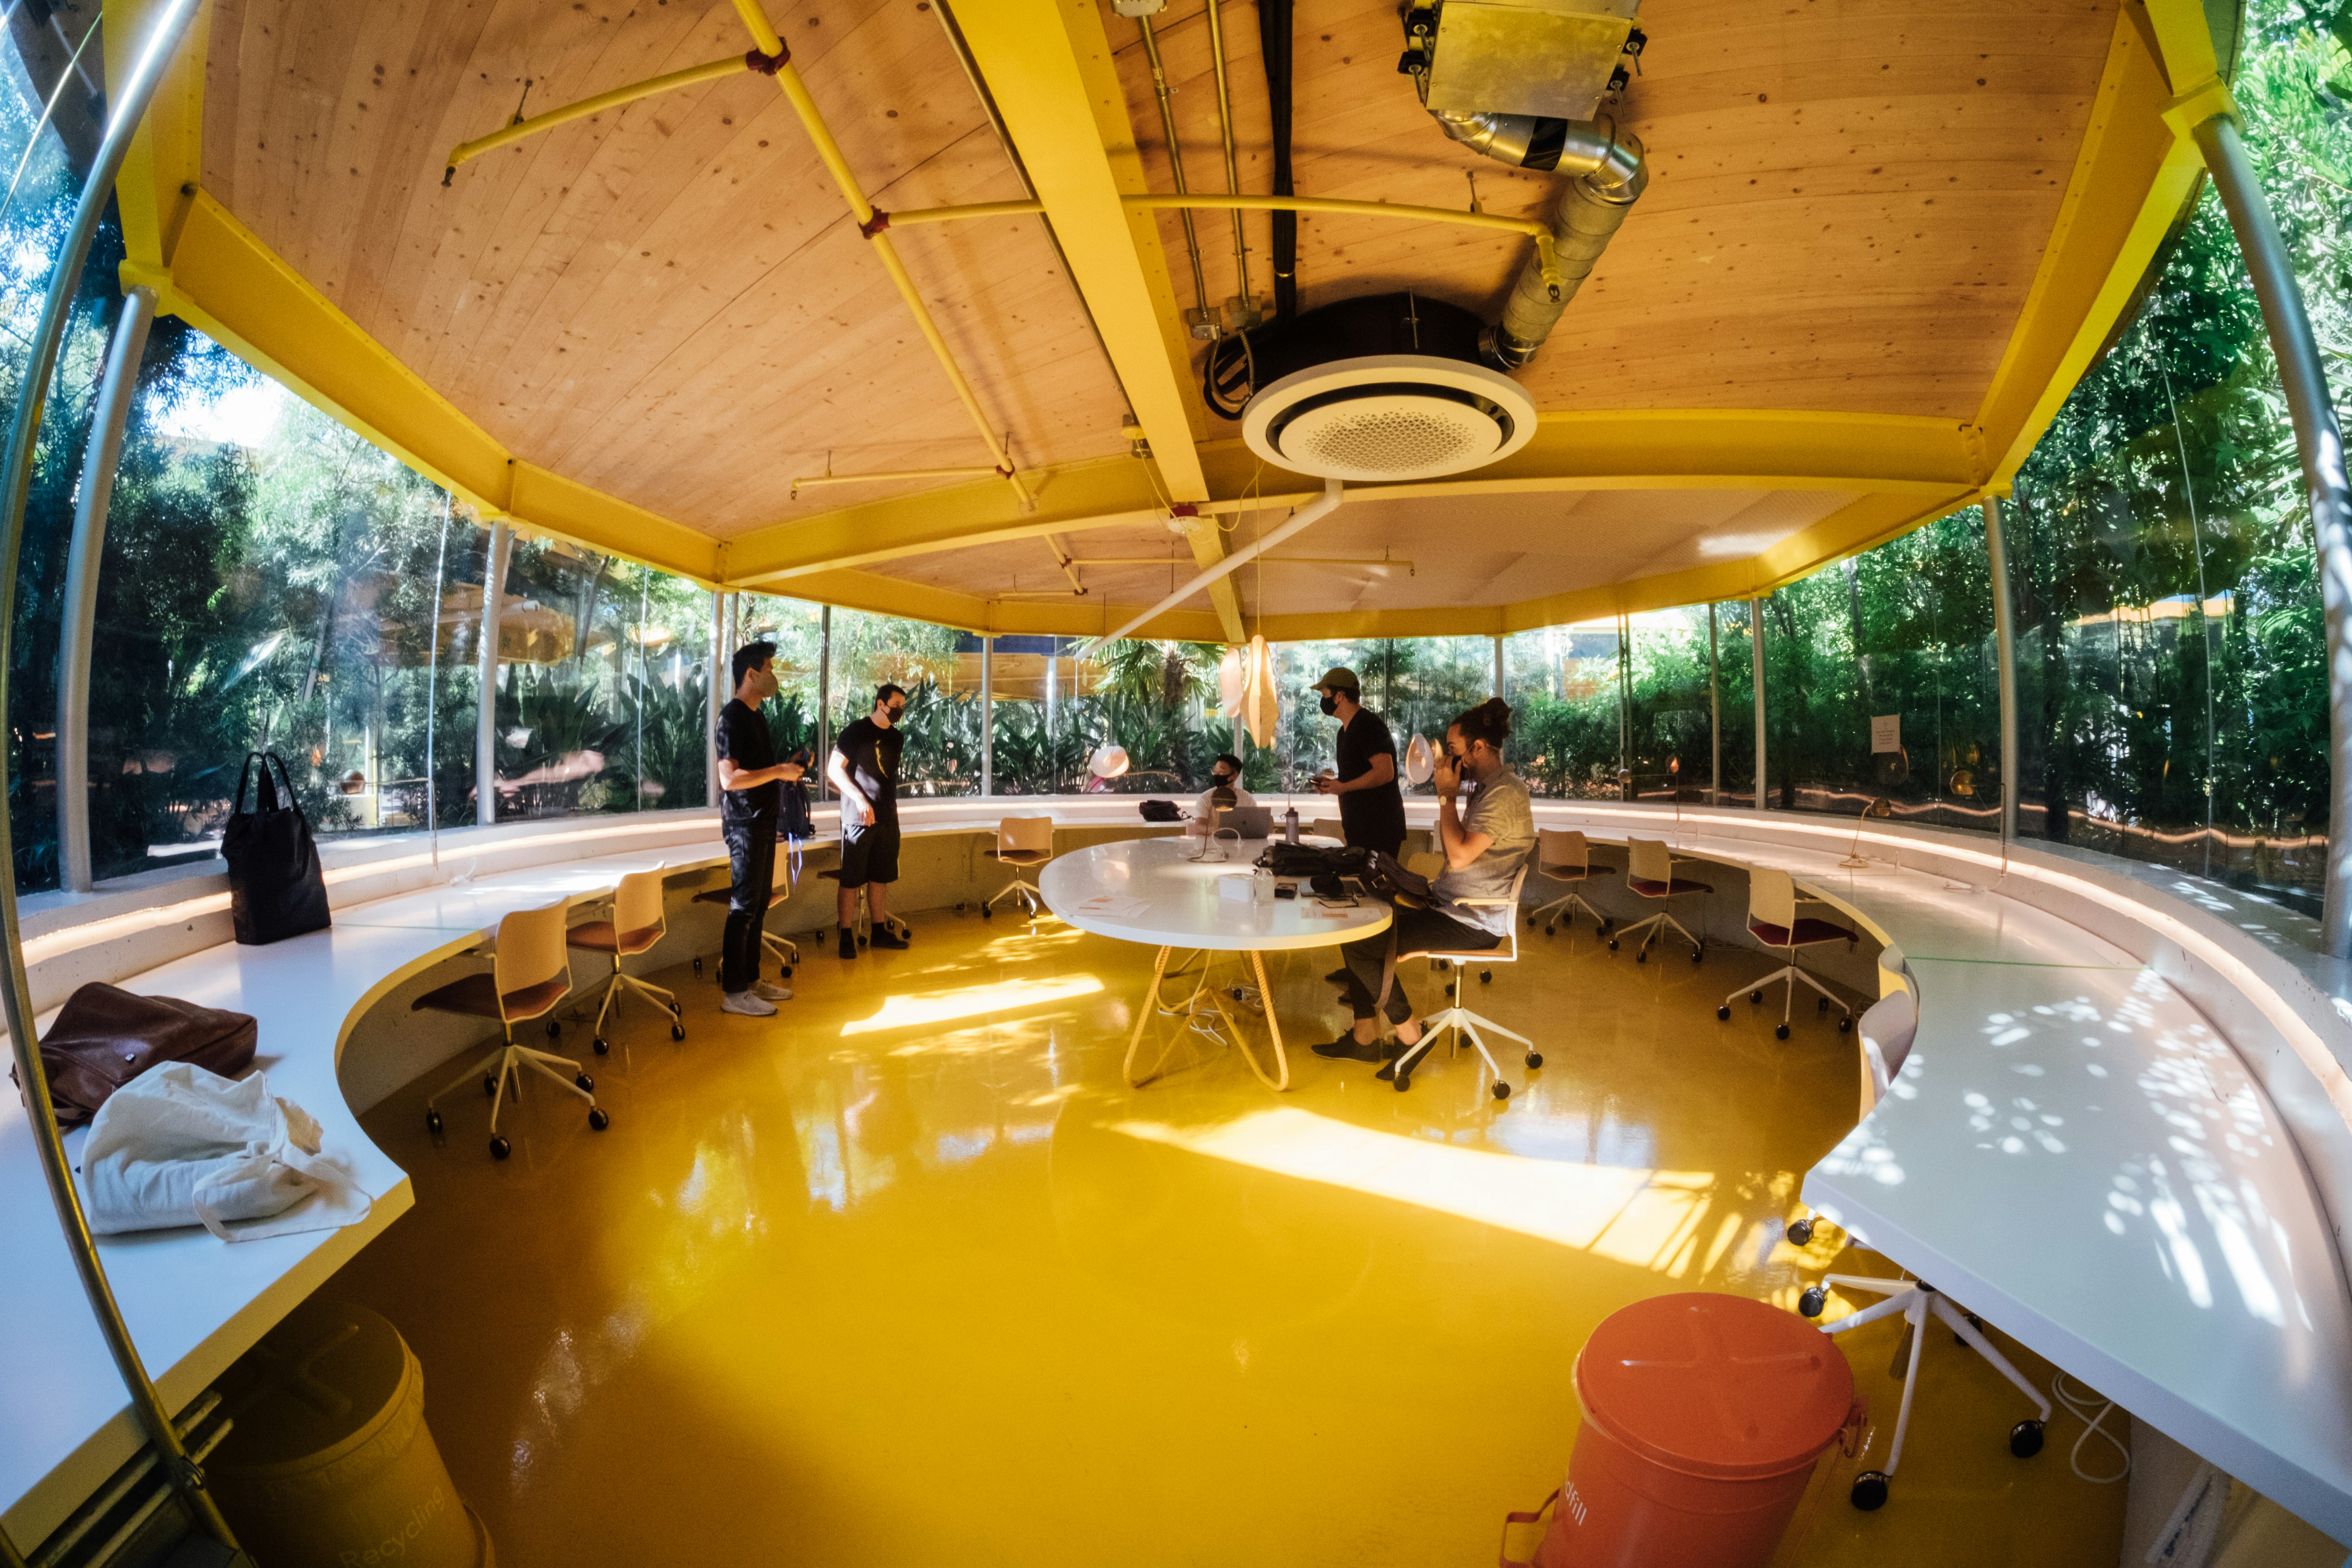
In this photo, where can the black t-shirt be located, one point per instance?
(1373, 816)
(870, 754)
(743, 740)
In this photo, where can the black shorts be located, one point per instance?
(870, 853)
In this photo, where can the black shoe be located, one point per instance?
(1396, 1054)
(883, 936)
(1338, 976)
(1346, 1050)
(848, 943)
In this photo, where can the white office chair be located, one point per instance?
(783, 949)
(1650, 874)
(1456, 1019)
(1772, 919)
(530, 976)
(636, 923)
(1020, 842)
(1563, 856)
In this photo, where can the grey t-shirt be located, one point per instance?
(1500, 810)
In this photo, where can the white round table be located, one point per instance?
(1148, 890)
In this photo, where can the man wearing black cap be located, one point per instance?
(1372, 806)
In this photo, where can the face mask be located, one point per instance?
(894, 714)
(1221, 778)
(1331, 705)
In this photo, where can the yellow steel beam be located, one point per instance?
(224, 282)
(2131, 180)
(1050, 68)
(158, 182)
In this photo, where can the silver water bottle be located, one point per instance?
(1291, 825)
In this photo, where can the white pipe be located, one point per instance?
(83, 560)
(2004, 644)
(1299, 521)
(485, 715)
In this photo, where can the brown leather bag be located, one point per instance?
(105, 1036)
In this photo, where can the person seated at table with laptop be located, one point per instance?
(1224, 791)
(1485, 843)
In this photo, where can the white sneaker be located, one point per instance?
(772, 991)
(747, 1003)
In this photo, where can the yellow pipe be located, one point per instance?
(734, 65)
(1533, 228)
(892, 476)
(828, 151)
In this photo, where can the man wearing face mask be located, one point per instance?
(1224, 775)
(750, 784)
(864, 769)
(1372, 806)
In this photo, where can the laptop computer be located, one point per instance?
(1249, 821)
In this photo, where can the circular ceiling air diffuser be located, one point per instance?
(1389, 417)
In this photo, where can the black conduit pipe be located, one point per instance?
(1273, 38)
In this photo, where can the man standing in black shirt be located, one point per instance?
(863, 768)
(1372, 806)
(750, 795)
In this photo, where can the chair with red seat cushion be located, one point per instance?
(531, 973)
(1650, 874)
(1773, 919)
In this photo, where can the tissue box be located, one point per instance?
(1237, 888)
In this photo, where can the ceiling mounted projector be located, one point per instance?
(1377, 390)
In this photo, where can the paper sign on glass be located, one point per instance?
(1886, 733)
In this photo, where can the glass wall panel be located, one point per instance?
(267, 584)
(942, 722)
(1563, 685)
(49, 131)
(798, 630)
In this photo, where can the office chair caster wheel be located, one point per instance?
(1403, 1081)
(677, 1012)
(1780, 1031)
(1486, 977)
(587, 1084)
(1608, 926)
(1821, 1004)
(1810, 1303)
(1554, 931)
(554, 1029)
(986, 913)
(1800, 1233)
(785, 972)
(1846, 1025)
(1641, 957)
(1532, 921)
(2025, 1439)
(597, 1119)
(677, 1031)
(1535, 1058)
(500, 1147)
(1449, 988)
(1755, 998)
(602, 1047)
(1723, 1012)
(1612, 944)
(1502, 1089)
(1697, 953)
(489, 1085)
(433, 1121)
(1870, 1491)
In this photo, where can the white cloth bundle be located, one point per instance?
(184, 1146)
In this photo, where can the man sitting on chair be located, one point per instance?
(1485, 845)
(750, 789)
(1224, 791)
(863, 768)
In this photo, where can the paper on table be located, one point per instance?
(1113, 906)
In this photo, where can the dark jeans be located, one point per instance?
(1414, 931)
(751, 856)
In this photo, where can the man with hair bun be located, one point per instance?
(1486, 843)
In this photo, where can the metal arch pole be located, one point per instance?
(721, 656)
(825, 701)
(486, 716)
(1756, 652)
(987, 716)
(1498, 664)
(83, 560)
(130, 106)
(1713, 711)
(2004, 650)
(2321, 443)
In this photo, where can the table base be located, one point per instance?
(1206, 1020)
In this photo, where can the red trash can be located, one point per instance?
(1703, 1416)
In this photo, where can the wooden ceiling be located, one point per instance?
(667, 311)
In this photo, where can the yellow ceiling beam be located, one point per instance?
(1049, 66)
(1061, 616)
(165, 162)
(2131, 182)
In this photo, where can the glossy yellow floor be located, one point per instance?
(908, 1275)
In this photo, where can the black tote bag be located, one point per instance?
(276, 888)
